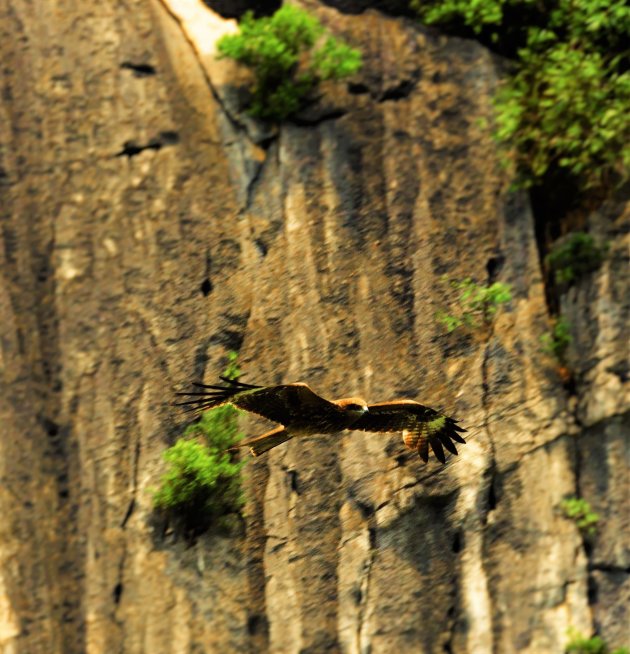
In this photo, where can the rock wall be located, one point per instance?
(148, 227)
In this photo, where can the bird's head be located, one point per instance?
(355, 406)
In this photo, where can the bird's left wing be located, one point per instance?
(283, 403)
(421, 426)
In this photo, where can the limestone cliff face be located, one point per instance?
(148, 227)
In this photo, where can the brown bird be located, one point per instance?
(301, 412)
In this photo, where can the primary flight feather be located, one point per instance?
(300, 412)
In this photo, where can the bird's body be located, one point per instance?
(301, 412)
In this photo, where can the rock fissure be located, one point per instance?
(450, 617)
(399, 92)
(64, 164)
(252, 183)
(206, 285)
(163, 139)
(65, 553)
(134, 482)
(255, 548)
(485, 404)
(139, 69)
(237, 124)
(364, 590)
(117, 591)
(304, 121)
(577, 471)
(606, 567)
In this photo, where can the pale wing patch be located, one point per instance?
(411, 438)
(417, 440)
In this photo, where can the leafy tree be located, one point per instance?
(564, 106)
(289, 53)
(475, 302)
(202, 486)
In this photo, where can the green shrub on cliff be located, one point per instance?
(557, 341)
(475, 302)
(576, 256)
(289, 53)
(202, 485)
(579, 510)
(474, 14)
(564, 106)
(595, 645)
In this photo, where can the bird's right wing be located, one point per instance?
(281, 404)
(420, 425)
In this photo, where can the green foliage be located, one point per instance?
(600, 22)
(575, 257)
(336, 60)
(565, 105)
(201, 483)
(475, 14)
(289, 54)
(579, 510)
(595, 645)
(449, 321)
(232, 371)
(558, 340)
(201, 486)
(475, 302)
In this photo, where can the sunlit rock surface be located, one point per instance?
(148, 227)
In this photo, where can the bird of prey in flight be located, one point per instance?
(300, 412)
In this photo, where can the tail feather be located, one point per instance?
(261, 444)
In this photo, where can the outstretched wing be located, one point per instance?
(421, 426)
(284, 404)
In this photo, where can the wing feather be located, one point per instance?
(423, 449)
(438, 450)
(393, 416)
(448, 443)
(421, 426)
(283, 403)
